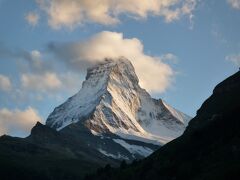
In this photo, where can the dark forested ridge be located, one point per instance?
(209, 148)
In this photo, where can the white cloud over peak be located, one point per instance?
(5, 83)
(17, 122)
(32, 18)
(153, 73)
(71, 13)
(234, 3)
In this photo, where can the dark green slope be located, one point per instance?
(209, 148)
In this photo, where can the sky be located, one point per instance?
(181, 49)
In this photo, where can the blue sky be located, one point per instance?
(200, 45)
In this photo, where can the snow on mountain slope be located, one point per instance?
(144, 151)
(111, 101)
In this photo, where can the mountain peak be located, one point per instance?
(40, 130)
(108, 63)
(111, 101)
(104, 71)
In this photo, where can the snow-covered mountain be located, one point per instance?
(111, 105)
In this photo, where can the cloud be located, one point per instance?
(5, 83)
(17, 122)
(169, 57)
(32, 18)
(41, 82)
(31, 60)
(234, 3)
(46, 76)
(40, 75)
(218, 34)
(36, 62)
(71, 13)
(234, 58)
(154, 74)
